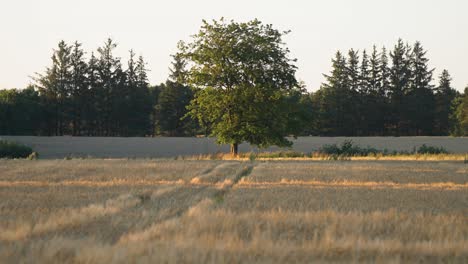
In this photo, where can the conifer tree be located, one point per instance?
(336, 100)
(79, 87)
(400, 75)
(420, 103)
(444, 97)
(111, 89)
(173, 101)
(353, 70)
(54, 85)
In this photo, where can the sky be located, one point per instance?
(31, 29)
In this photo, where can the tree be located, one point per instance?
(461, 114)
(376, 103)
(244, 74)
(364, 98)
(110, 90)
(21, 112)
(444, 96)
(353, 70)
(93, 98)
(400, 75)
(78, 87)
(54, 85)
(419, 100)
(334, 100)
(173, 101)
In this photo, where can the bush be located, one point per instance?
(12, 150)
(431, 150)
(347, 149)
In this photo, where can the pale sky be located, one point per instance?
(30, 29)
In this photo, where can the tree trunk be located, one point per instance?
(234, 149)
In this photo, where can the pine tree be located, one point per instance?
(353, 70)
(173, 101)
(335, 98)
(364, 98)
(111, 89)
(444, 96)
(420, 103)
(365, 75)
(461, 114)
(79, 87)
(384, 74)
(400, 75)
(54, 85)
(141, 104)
(375, 73)
(94, 99)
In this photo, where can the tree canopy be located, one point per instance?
(244, 76)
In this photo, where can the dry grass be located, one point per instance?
(153, 211)
(264, 156)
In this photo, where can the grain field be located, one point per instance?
(176, 211)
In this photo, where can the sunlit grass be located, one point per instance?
(180, 211)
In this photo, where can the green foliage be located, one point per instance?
(378, 98)
(244, 75)
(94, 98)
(252, 156)
(347, 148)
(460, 114)
(21, 112)
(431, 150)
(444, 98)
(13, 150)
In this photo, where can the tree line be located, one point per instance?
(98, 96)
(387, 94)
(379, 93)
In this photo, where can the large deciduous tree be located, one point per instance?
(244, 75)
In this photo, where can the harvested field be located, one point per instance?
(153, 211)
(165, 147)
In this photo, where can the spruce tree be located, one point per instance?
(400, 75)
(364, 98)
(79, 87)
(173, 101)
(353, 70)
(420, 103)
(94, 98)
(336, 109)
(54, 85)
(111, 89)
(444, 97)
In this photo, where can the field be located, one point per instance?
(167, 147)
(153, 211)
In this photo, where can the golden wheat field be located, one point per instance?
(176, 211)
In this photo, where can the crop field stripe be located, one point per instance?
(351, 184)
(243, 184)
(203, 205)
(72, 216)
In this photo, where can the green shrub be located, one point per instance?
(252, 156)
(431, 150)
(13, 150)
(347, 149)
